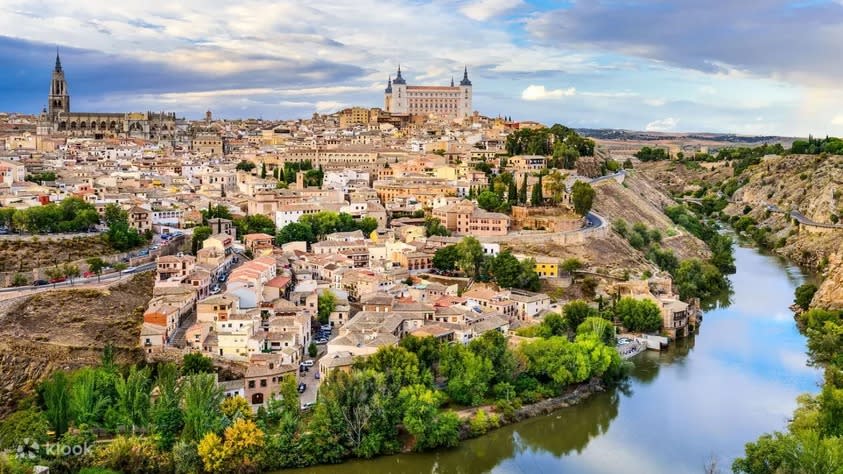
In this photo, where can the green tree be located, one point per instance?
(133, 397)
(351, 415)
(536, 198)
(493, 346)
(196, 363)
(200, 233)
(488, 200)
(576, 312)
(263, 170)
(70, 271)
(571, 265)
(166, 415)
(471, 255)
(446, 258)
(468, 374)
(433, 226)
(246, 166)
(87, 404)
(326, 304)
(430, 427)
(582, 196)
(96, 265)
(367, 225)
(695, 278)
(201, 397)
(512, 192)
(312, 350)
(522, 191)
(255, 224)
(804, 295)
(639, 315)
(55, 393)
(428, 349)
(29, 422)
(602, 328)
(295, 232)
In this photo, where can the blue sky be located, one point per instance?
(753, 67)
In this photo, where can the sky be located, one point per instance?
(759, 67)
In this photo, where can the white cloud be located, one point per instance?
(663, 125)
(837, 120)
(482, 10)
(534, 92)
(657, 102)
(328, 106)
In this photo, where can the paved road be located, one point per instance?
(802, 219)
(78, 282)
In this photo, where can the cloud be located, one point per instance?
(837, 120)
(534, 92)
(663, 125)
(482, 10)
(714, 36)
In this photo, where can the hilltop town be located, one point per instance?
(301, 248)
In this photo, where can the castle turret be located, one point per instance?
(400, 103)
(465, 106)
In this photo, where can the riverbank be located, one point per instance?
(572, 396)
(705, 395)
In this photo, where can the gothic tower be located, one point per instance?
(59, 100)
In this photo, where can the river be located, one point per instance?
(702, 399)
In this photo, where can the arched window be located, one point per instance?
(73, 125)
(257, 399)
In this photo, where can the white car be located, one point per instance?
(307, 363)
(215, 289)
(307, 406)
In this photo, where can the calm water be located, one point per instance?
(707, 396)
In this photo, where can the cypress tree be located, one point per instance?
(536, 199)
(513, 193)
(522, 193)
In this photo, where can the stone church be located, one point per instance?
(57, 118)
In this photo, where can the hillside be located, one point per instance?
(22, 254)
(810, 184)
(638, 199)
(67, 329)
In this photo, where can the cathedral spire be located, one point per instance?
(389, 85)
(58, 60)
(452, 81)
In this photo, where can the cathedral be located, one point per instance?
(441, 101)
(57, 118)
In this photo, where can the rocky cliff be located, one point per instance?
(67, 329)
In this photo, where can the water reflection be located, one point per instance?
(709, 394)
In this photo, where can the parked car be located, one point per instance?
(325, 328)
(307, 363)
(40, 282)
(321, 340)
(215, 289)
(58, 280)
(222, 277)
(307, 406)
(316, 375)
(302, 387)
(88, 275)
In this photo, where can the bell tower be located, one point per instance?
(59, 99)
